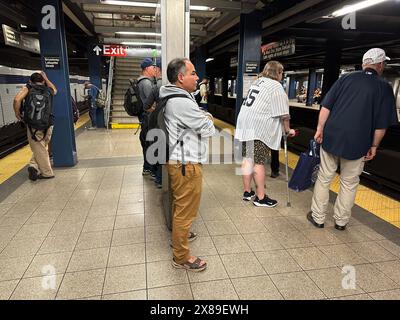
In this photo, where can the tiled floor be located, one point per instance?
(96, 231)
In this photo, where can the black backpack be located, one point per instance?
(38, 109)
(133, 105)
(157, 121)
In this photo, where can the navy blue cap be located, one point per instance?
(147, 62)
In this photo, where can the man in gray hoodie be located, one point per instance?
(185, 122)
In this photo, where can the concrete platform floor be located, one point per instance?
(97, 231)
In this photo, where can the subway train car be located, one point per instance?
(12, 133)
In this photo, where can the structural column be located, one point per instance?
(175, 22)
(249, 52)
(200, 61)
(54, 58)
(312, 85)
(292, 87)
(95, 67)
(331, 65)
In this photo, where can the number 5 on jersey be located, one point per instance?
(251, 97)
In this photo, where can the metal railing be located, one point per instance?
(107, 110)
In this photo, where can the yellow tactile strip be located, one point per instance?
(17, 160)
(370, 200)
(124, 125)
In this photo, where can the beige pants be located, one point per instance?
(350, 171)
(40, 159)
(186, 194)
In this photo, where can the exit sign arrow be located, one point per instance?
(97, 49)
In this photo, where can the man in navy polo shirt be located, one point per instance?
(353, 119)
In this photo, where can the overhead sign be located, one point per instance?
(14, 38)
(248, 80)
(251, 67)
(282, 48)
(97, 49)
(114, 50)
(52, 63)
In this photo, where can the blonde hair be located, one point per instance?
(272, 70)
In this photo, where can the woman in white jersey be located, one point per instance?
(259, 127)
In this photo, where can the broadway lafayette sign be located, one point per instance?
(278, 49)
(19, 40)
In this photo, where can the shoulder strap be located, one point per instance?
(144, 78)
(180, 139)
(176, 95)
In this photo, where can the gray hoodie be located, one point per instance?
(183, 114)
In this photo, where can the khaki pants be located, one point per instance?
(186, 194)
(350, 171)
(40, 159)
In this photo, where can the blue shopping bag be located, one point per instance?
(306, 171)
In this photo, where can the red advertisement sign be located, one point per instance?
(113, 50)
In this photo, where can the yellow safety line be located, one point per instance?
(82, 120)
(125, 125)
(17, 160)
(378, 204)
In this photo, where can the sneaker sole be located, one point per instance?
(264, 205)
(247, 198)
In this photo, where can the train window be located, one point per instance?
(232, 88)
(218, 86)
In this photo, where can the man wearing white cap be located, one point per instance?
(353, 119)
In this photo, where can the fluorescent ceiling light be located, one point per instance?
(201, 8)
(355, 7)
(129, 43)
(140, 33)
(149, 5)
(209, 59)
(130, 3)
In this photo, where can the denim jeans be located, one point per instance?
(158, 173)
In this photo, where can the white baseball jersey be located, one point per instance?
(261, 111)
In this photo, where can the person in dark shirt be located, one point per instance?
(148, 90)
(353, 119)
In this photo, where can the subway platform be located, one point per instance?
(97, 231)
